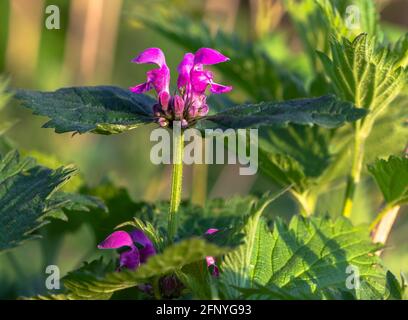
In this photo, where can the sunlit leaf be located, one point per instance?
(307, 259)
(391, 176)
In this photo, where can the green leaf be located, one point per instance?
(72, 202)
(24, 191)
(295, 155)
(317, 20)
(395, 288)
(237, 267)
(307, 259)
(325, 111)
(102, 109)
(364, 73)
(98, 281)
(11, 164)
(392, 177)
(283, 170)
(53, 162)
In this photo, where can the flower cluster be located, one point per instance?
(190, 101)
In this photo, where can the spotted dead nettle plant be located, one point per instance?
(191, 254)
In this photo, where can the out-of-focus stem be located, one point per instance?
(355, 174)
(199, 187)
(176, 185)
(382, 225)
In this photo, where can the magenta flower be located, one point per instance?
(193, 80)
(211, 263)
(140, 247)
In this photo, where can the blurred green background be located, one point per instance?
(94, 45)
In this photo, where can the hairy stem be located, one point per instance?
(176, 185)
(355, 173)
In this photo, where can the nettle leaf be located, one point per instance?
(369, 76)
(316, 20)
(98, 281)
(325, 111)
(391, 176)
(307, 259)
(103, 109)
(11, 164)
(283, 170)
(24, 192)
(295, 155)
(62, 201)
(400, 50)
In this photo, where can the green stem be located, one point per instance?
(306, 203)
(355, 174)
(176, 185)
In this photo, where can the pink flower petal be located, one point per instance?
(209, 56)
(211, 231)
(159, 79)
(219, 88)
(141, 88)
(151, 55)
(117, 240)
(184, 69)
(200, 80)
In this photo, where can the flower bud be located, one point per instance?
(178, 107)
(164, 98)
(184, 123)
(163, 122)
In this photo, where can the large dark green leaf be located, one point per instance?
(325, 111)
(103, 109)
(24, 191)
